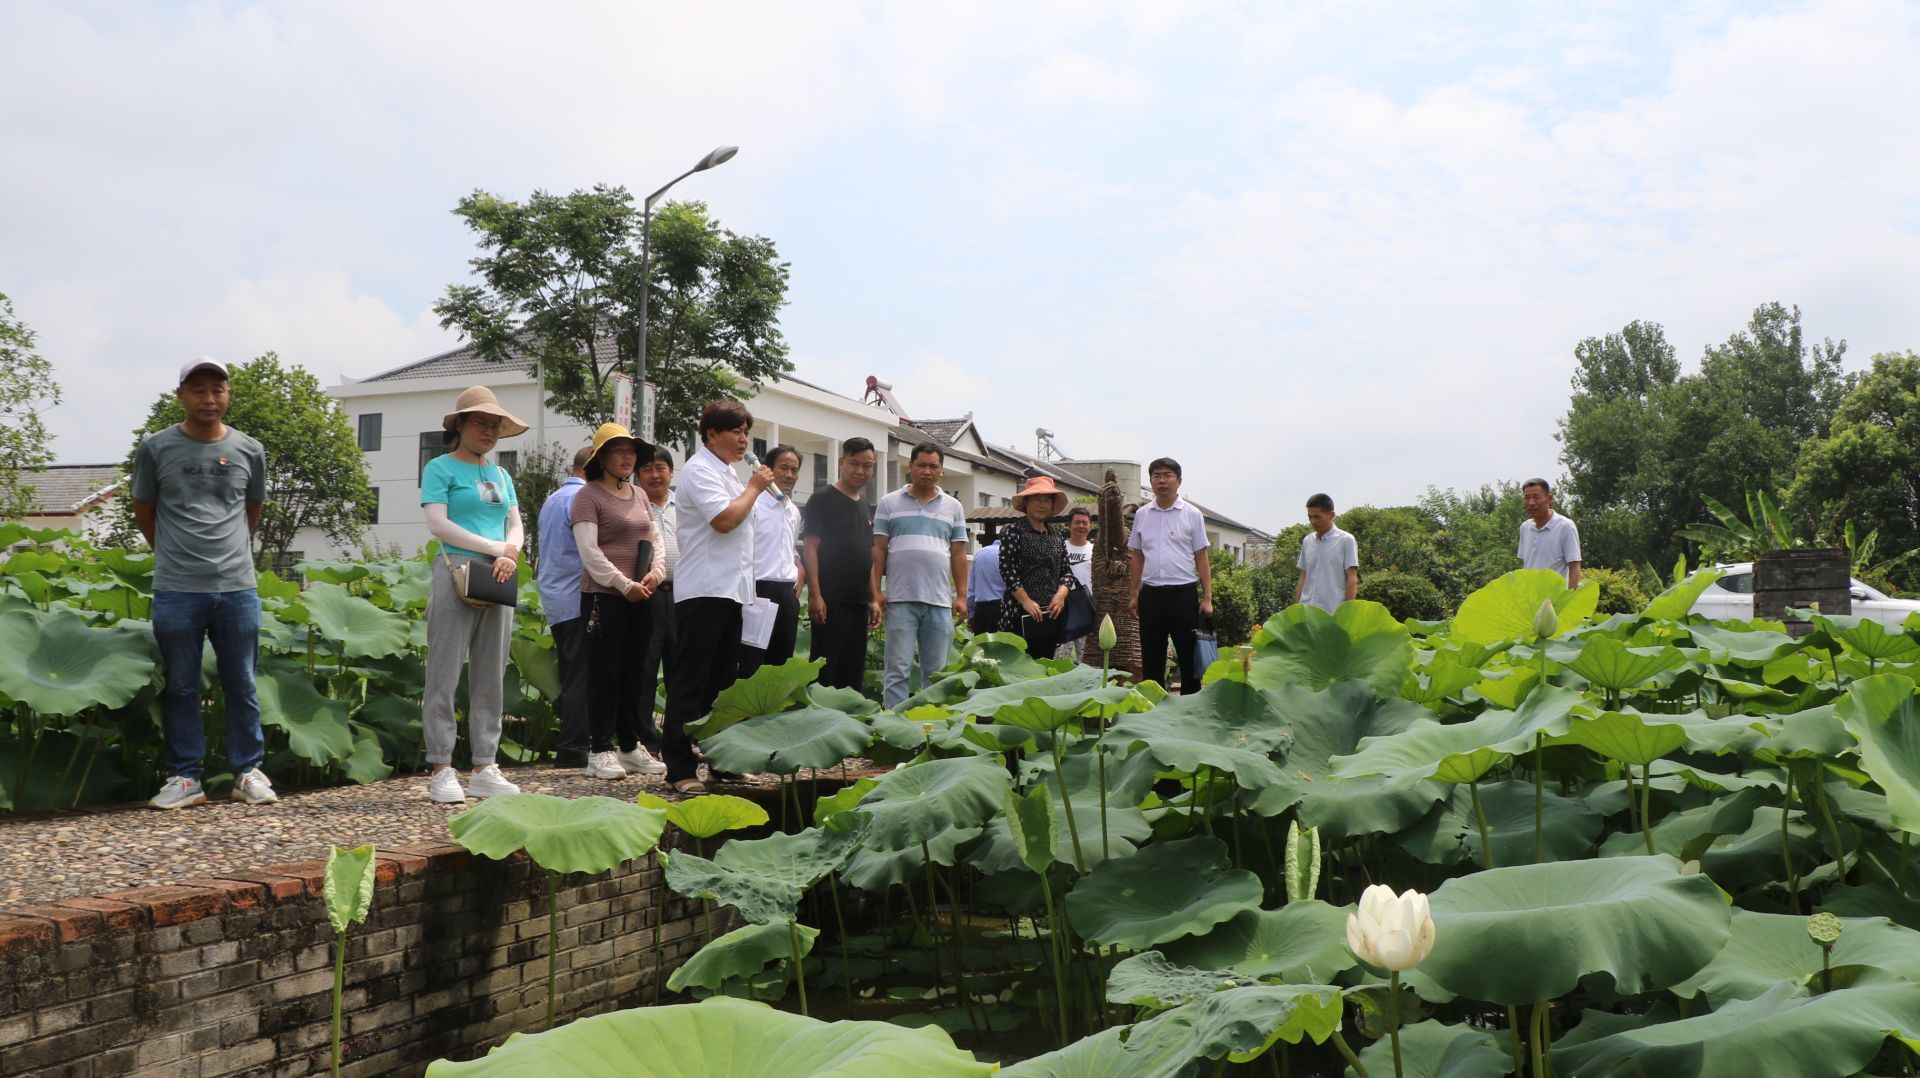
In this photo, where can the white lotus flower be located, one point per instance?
(1109, 636)
(1546, 621)
(1394, 933)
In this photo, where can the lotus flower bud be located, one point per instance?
(1394, 933)
(926, 729)
(1109, 636)
(1546, 620)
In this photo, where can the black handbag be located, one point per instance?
(473, 582)
(1078, 619)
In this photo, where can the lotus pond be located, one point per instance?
(1649, 845)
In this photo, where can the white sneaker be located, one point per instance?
(254, 788)
(444, 787)
(640, 762)
(487, 781)
(605, 765)
(179, 792)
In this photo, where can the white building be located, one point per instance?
(73, 497)
(397, 415)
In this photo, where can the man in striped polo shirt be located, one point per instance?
(920, 550)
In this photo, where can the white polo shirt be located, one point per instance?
(776, 532)
(1549, 547)
(1168, 539)
(1324, 561)
(711, 565)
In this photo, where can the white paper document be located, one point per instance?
(756, 622)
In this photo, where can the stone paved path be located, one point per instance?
(46, 857)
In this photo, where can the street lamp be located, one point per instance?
(720, 156)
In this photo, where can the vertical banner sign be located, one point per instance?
(648, 393)
(623, 401)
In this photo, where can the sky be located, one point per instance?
(1343, 247)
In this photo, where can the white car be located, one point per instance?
(1730, 598)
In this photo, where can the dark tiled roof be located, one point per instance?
(68, 488)
(464, 362)
(1022, 463)
(944, 431)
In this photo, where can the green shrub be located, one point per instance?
(1405, 595)
(1234, 614)
(1621, 590)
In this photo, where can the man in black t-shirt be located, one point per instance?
(839, 557)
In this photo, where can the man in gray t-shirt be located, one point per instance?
(197, 491)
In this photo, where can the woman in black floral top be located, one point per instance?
(1033, 562)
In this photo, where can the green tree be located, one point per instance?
(560, 292)
(316, 475)
(1867, 470)
(538, 473)
(1644, 446)
(27, 390)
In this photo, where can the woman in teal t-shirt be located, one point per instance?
(472, 509)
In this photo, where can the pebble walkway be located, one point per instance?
(50, 856)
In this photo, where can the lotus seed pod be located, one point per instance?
(1824, 928)
(1546, 621)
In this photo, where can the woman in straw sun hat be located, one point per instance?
(622, 561)
(1033, 562)
(472, 509)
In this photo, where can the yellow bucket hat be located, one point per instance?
(613, 432)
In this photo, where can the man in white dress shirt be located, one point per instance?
(1329, 560)
(777, 566)
(1547, 539)
(1172, 580)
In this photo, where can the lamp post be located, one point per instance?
(720, 156)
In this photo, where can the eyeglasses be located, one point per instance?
(490, 426)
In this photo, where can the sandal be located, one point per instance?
(690, 787)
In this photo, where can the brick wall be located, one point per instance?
(234, 975)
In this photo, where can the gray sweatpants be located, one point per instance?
(456, 632)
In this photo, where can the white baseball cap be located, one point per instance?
(202, 363)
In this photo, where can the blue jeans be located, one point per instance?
(182, 623)
(914, 628)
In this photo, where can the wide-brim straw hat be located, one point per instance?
(1041, 486)
(481, 399)
(614, 432)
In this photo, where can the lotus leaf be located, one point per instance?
(1868, 638)
(1507, 689)
(1638, 920)
(707, 815)
(1126, 826)
(1462, 752)
(1633, 737)
(742, 952)
(1440, 680)
(1165, 891)
(1148, 979)
(1301, 942)
(764, 878)
(368, 761)
(347, 885)
(1883, 715)
(1882, 898)
(784, 743)
(851, 701)
(874, 869)
(1242, 1023)
(356, 626)
(1749, 648)
(1504, 609)
(585, 834)
(1108, 1054)
(843, 799)
(316, 726)
(1675, 603)
(1045, 703)
(57, 664)
(1608, 663)
(1782, 1032)
(333, 572)
(1770, 949)
(1304, 645)
(769, 691)
(918, 802)
(1332, 723)
(538, 666)
(1228, 726)
(1433, 1050)
(1031, 821)
(1568, 827)
(722, 1038)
